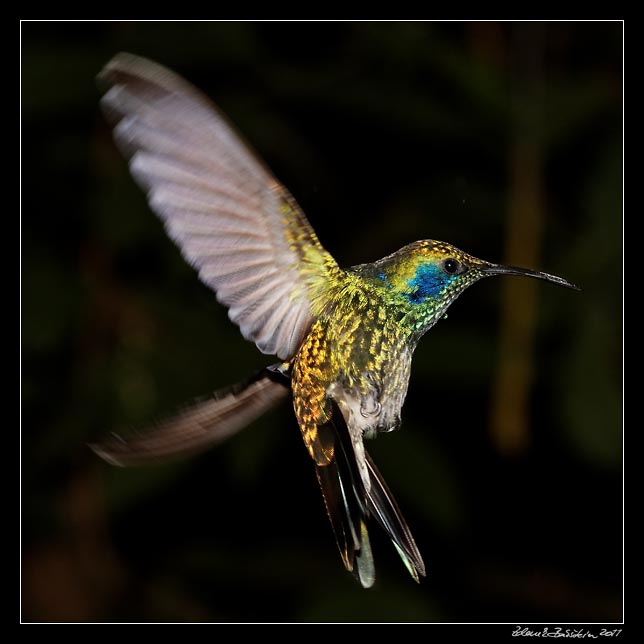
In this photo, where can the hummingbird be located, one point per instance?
(343, 337)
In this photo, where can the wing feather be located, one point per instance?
(202, 425)
(233, 221)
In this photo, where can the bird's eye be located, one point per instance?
(451, 265)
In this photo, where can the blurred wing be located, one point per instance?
(233, 221)
(201, 426)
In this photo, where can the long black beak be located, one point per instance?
(499, 269)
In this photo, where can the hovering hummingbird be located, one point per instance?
(344, 337)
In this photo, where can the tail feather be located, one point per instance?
(344, 499)
(384, 508)
(349, 525)
(201, 426)
(349, 505)
(365, 568)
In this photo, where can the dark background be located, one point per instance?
(502, 138)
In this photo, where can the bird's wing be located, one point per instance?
(233, 221)
(201, 426)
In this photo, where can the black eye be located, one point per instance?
(451, 265)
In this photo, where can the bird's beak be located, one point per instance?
(499, 269)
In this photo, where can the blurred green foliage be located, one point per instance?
(385, 133)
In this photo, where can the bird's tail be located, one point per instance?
(202, 425)
(349, 504)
